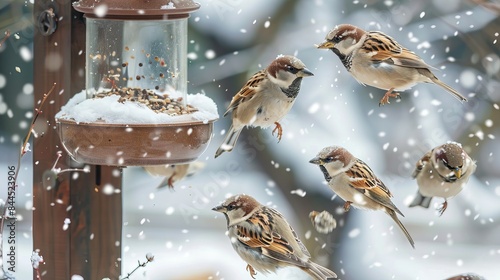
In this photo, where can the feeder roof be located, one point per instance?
(137, 9)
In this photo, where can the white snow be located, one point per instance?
(210, 54)
(168, 6)
(354, 233)
(3, 81)
(101, 10)
(109, 110)
(25, 53)
(36, 259)
(299, 192)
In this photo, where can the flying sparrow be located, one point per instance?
(354, 181)
(265, 99)
(264, 240)
(376, 59)
(442, 172)
(173, 172)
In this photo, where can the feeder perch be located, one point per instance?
(135, 109)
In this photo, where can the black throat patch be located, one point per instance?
(346, 59)
(325, 173)
(293, 90)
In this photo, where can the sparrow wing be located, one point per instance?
(384, 48)
(421, 163)
(362, 178)
(247, 92)
(263, 232)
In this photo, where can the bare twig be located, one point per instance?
(58, 171)
(36, 260)
(149, 258)
(7, 35)
(24, 149)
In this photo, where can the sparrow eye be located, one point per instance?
(231, 207)
(291, 69)
(337, 39)
(329, 159)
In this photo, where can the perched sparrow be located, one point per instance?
(264, 239)
(173, 172)
(354, 181)
(442, 172)
(375, 59)
(265, 99)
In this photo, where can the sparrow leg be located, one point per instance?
(443, 208)
(279, 129)
(387, 95)
(251, 270)
(171, 182)
(347, 205)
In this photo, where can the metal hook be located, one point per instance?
(47, 22)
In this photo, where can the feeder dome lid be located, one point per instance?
(138, 8)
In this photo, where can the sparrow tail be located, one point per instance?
(392, 213)
(438, 82)
(420, 200)
(455, 93)
(229, 142)
(319, 272)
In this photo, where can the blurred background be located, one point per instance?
(229, 40)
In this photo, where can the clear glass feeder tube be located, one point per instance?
(137, 55)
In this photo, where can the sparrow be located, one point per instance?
(442, 172)
(374, 58)
(265, 99)
(354, 181)
(173, 172)
(264, 240)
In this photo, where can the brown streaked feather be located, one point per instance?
(247, 91)
(421, 163)
(387, 50)
(359, 183)
(272, 243)
(362, 173)
(265, 237)
(373, 187)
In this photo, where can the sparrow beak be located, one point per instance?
(317, 161)
(304, 73)
(219, 208)
(326, 45)
(458, 173)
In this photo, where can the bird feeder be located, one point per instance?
(136, 59)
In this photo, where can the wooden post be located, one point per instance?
(91, 246)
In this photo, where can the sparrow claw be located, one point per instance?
(443, 208)
(347, 206)
(387, 95)
(252, 271)
(279, 129)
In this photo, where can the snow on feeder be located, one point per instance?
(135, 109)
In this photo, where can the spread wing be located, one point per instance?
(362, 178)
(421, 163)
(261, 231)
(247, 92)
(383, 48)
